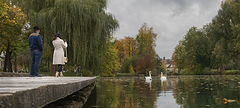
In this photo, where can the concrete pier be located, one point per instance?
(34, 92)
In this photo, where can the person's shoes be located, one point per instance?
(31, 76)
(38, 76)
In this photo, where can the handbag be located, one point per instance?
(65, 58)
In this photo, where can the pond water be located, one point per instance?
(175, 92)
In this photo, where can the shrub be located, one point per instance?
(87, 72)
(129, 61)
(231, 72)
(131, 70)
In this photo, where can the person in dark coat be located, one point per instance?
(36, 47)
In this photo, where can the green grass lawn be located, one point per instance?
(226, 72)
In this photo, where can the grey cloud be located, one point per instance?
(170, 19)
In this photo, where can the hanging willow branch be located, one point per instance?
(84, 24)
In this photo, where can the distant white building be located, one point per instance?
(170, 67)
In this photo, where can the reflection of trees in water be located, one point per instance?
(169, 84)
(127, 93)
(189, 92)
(207, 91)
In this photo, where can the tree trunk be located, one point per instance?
(48, 67)
(7, 62)
(221, 70)
(1, 51)
(53, 69)
(15, 63)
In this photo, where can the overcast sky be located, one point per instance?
(170, 19)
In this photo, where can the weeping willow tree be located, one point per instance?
(85, 25)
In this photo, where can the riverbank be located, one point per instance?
(73, 74)
(211, 72)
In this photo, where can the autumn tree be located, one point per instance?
(146, 49)
(120, 50)
(126, 48)
(139, 53)
(11, 38)
(130, 46)
(145, 64)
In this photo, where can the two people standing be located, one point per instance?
(36, 47)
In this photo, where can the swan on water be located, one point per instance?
(163, 78)
(149, 78)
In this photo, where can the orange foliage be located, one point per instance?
(126, 48)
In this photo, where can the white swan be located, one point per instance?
(149, 78)
(163, 78)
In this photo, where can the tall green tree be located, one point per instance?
(222, 37)
(193, 53)
(235, 25)
(197, 48)
(215, 46)
(179, 56)
(111, 63)
(146, 41)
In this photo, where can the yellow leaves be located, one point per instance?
(125, 47)
(9, 13)
(11, 19)
(12, 15)
(238, 82)
(210, 89)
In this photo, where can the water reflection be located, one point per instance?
(176, 92)
(207, 91)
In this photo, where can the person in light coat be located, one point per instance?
(58, 55)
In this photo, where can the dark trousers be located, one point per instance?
(36, 60)
(59, 67)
